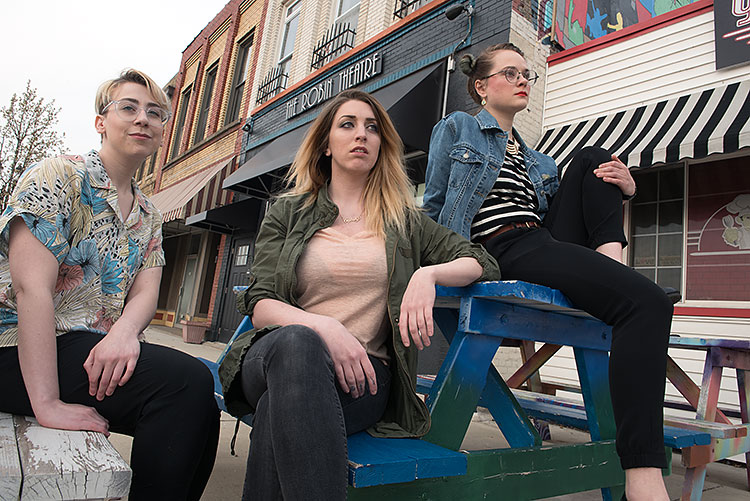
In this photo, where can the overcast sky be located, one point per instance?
(67, 48)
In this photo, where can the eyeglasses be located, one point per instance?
(512, 75)
(128, 111)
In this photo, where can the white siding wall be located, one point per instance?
(665, 63)
(662, 64)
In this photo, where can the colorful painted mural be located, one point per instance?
(578, 21)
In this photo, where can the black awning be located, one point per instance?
(238, 216)
(413, 103)
(691, 126)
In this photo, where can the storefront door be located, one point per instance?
(239, 274)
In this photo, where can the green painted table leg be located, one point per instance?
(514, 474)
(458, 386)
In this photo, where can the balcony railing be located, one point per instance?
(406, 7)
(337, 40)
(273, 83)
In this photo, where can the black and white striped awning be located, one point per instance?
(692, 126)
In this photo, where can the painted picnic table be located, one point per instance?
(476, 320)
(727, 439)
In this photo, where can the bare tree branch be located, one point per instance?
(27, 135)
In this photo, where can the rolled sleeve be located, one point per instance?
(42, 199)
(440, 245)
(154, 255)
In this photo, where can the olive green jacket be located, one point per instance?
(286, 230)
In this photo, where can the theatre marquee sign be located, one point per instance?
(349, 77)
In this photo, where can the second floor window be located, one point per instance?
(208, 91)
(347, 12)
(180, 122)
(238, 80)
(289, 33)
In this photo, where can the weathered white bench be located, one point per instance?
(38, 463)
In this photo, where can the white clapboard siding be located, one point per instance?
(668, 62)
(10, 468)
(68, 464)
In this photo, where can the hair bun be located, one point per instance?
(468, 64)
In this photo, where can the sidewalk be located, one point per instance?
(723, 482)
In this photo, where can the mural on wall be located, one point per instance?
(578, 21)
(718, 236)
(738, 236)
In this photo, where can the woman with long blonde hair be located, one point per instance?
(343, 287)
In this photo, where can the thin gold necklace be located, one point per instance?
(351, 219)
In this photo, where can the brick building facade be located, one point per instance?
(210, 98)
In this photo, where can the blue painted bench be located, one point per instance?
(372, 461)
(572, 413)
(477, 320)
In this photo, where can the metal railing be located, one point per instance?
(273, 83)
(337, 40)
(405, 7)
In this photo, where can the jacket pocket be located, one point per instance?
(464, 163)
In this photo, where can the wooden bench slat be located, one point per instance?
(716, 430)
(10, 467)
(377, 461)
(61, 464)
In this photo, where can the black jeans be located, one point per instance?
(588, 212)
(167, 407)
(302, 417)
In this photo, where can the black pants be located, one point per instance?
(302, 417)
(167, 407)
(585, 213)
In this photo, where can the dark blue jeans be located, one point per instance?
(302, 417)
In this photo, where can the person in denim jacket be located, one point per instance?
(485, 183)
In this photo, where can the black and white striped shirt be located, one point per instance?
(512, 198)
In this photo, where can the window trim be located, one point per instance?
(236, 94)
(205, 107)
(179, 124)
(289, 15)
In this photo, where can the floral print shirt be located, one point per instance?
(70, 205)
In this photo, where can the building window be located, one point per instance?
(340, 37)
(347, 12)
(208, 92)
(243, 251)
(717, 257)
(656, 226)
(152, 163)
(180, 122)
(238, 80)
(289, 33)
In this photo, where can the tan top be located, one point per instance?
(346, 277)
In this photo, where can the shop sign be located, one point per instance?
(349, 77)
(732, 29)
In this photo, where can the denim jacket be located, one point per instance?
(466, 153)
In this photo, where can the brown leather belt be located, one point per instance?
(507, 227)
